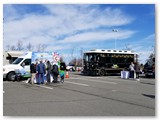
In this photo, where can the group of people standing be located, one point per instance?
(40, 70)
(135, 69)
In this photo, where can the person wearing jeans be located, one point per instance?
(41, 71)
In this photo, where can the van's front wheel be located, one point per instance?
(11, 76)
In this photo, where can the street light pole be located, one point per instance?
(115, 30)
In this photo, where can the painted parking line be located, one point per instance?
(97, 81)
(114, 90)
(77, 83)
(44, 87)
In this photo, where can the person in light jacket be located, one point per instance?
(131, 68)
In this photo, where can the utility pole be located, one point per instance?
(82, 56)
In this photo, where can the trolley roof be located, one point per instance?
(110, 51)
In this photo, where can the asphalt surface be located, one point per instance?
(81, 95)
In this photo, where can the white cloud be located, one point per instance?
(55, 47)
(89, 16)
(99, 36)
(71, 23)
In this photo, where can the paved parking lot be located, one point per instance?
(81, 95)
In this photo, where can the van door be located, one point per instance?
(26, 65)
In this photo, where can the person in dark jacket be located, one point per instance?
(33, 72)
(41, 71)
(48, 71)
(55, 73)
(137, 70)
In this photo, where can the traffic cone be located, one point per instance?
(67, 75)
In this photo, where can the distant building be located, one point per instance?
(10, 56)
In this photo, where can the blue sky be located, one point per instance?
(71, 28)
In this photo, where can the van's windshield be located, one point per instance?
(17, 61)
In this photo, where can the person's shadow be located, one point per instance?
(148, 83)
(150, 96)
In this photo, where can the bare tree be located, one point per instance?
(72, 62)
(76, 62)
(30, 47)
(152, 57)
(8, 47)
(44, 46)
(128, 47)
(20, 45)
(62, 59)
(81, 51)
(79, 62)
(41, 47)
(13, 48)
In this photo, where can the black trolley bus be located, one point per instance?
(103, 62)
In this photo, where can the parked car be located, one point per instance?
(70, 68)
(148, 72)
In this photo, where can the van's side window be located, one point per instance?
(27, 61)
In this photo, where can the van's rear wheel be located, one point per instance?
(11, 76)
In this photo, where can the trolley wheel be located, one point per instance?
(102, 72)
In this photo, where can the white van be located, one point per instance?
(22, 63)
